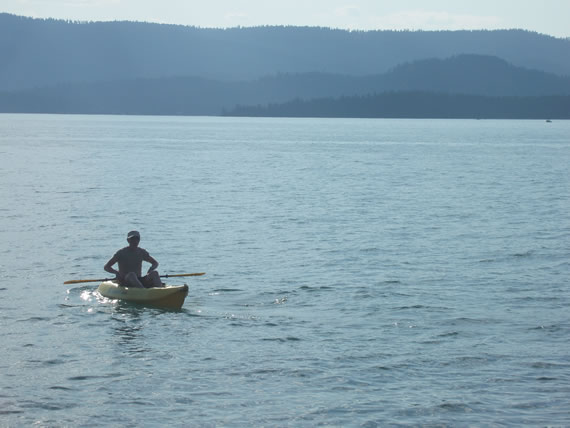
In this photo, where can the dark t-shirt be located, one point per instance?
(130, 260)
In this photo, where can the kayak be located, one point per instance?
(169, 296)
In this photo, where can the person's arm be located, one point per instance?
(152, 261)
(109, 266)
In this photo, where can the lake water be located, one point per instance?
(359, 272)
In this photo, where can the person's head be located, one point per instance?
(133, 238)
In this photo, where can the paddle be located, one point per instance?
(79, 281)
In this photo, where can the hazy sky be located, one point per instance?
(544, 16)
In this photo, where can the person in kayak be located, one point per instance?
(130, 265)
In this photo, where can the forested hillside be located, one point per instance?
(54, 66)
(465, 74)
(36, 52)
(417, 105)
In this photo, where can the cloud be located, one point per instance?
(235, 18)
(434, 20)
(235, 15)
(347, 12)
(72, 3)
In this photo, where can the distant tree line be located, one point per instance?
(417, 105)
(464, 74)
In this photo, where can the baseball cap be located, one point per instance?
(133, 234)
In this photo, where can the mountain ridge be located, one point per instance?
(463, 74)
(37, 53)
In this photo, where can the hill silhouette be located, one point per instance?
(473, 74)
(463, 74)
(37, 53)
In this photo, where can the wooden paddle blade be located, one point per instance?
(80, 281)
(184, 274)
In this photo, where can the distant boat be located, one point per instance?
(548, 121)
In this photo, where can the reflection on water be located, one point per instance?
(130, 339)
(128, 328)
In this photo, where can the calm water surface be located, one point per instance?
(359, 272)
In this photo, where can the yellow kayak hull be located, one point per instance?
(169, 297)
